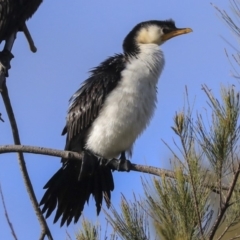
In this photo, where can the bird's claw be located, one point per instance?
(121, 165)
(90, 161)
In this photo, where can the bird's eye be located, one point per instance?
(166, 30)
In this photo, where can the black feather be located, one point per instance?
(86, 103)
(65, 191)
(14, 13)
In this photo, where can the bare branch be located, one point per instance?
(6, 215)
(75, 156)
(21, 161)
(40, 150)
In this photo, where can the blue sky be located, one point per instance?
(74, 36)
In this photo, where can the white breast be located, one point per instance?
(128, 109)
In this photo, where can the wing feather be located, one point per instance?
(13, 13)
(86, 103)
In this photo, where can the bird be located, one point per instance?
(14, 14)
(13, 17)
(106, 115)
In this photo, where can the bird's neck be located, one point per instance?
(150, 56)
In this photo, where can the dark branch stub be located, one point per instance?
(6, 55)
(5, 58)
(29, 38)
(1, 118)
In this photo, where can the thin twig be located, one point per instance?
(193, 187)
(224, 232)
(237, 237)
(76, 156)
(68, 235)
(21, 161)
(6, 215)
(225, 204)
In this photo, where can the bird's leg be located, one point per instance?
(123, 156)
(91, 160)
(5, 58)
(121, 164)
(124, 164)
(28, 37)
(89, 164)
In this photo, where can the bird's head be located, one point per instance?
(152, 32)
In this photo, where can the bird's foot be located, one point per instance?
(121, 165)
(5, 58)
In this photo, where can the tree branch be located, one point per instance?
(76, 156)
(21, 161)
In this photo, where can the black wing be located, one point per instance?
(86, 103)
(13, 13)
(28, 8)
(66, 190)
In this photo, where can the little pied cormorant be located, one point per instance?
(105, 117)
(13, 17)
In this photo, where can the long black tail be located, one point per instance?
(67, 191)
